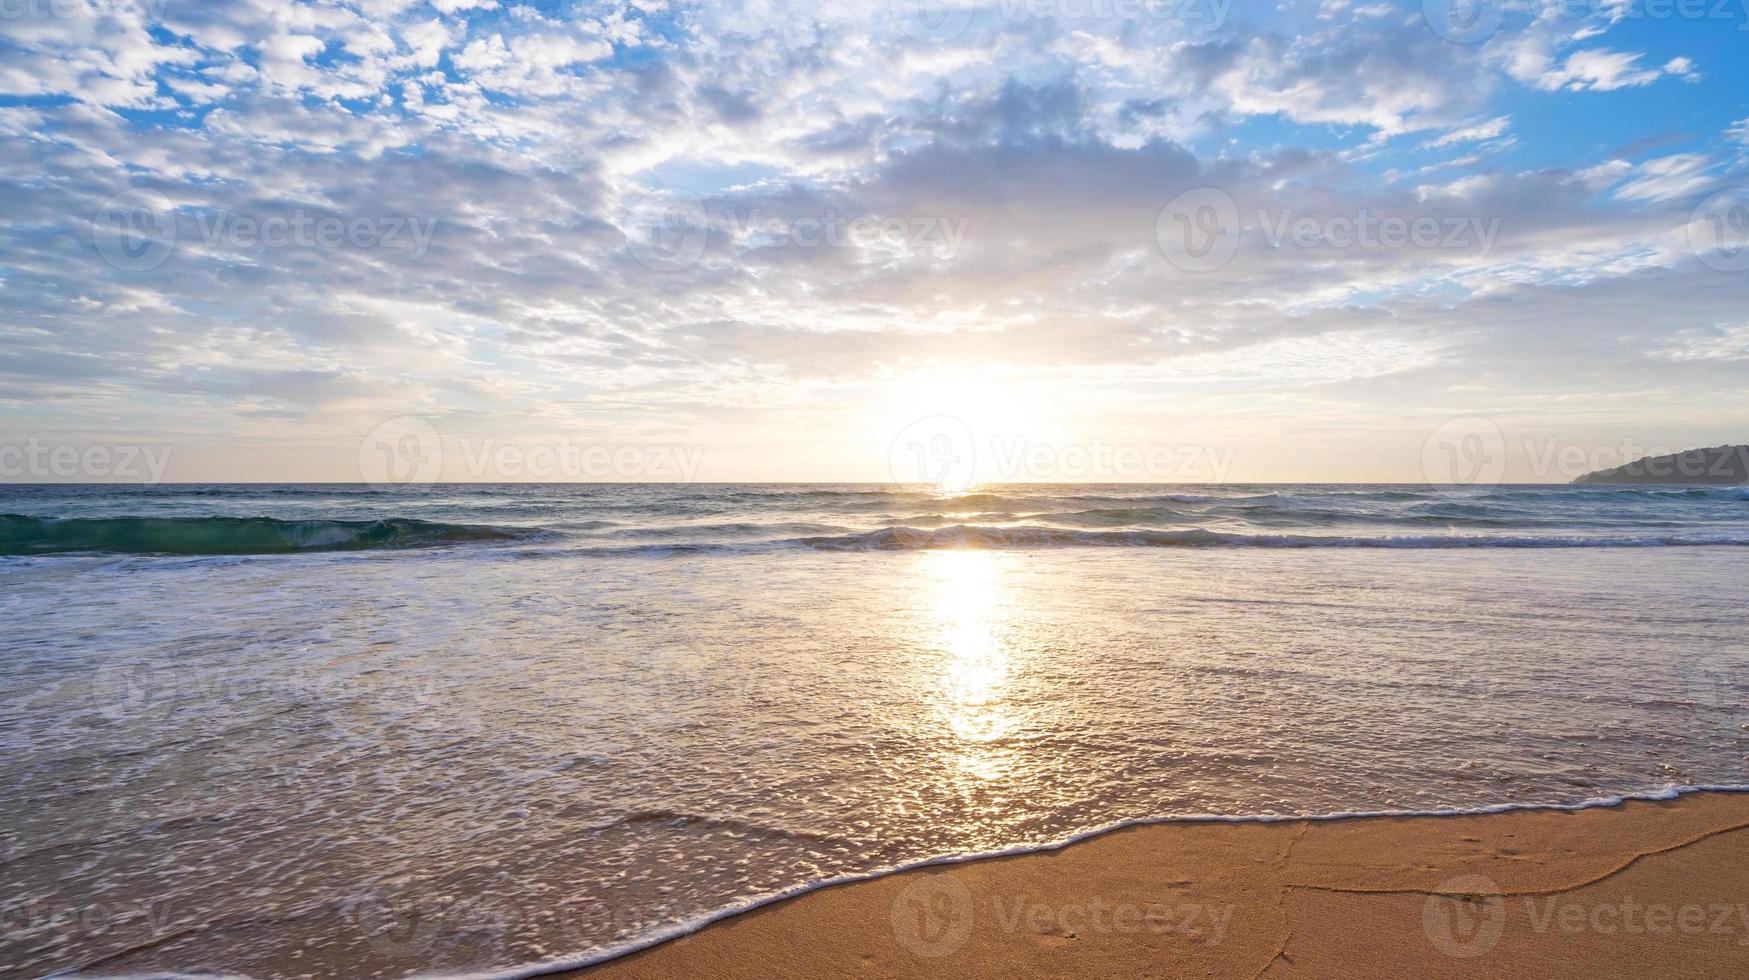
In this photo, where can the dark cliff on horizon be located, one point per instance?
(1718, 466)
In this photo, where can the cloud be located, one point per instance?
(1668, 178)
(1487, 130)
(1010, 186)
(1603, 70)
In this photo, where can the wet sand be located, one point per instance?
(1640, 889)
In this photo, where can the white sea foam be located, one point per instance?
(683, 708)
(693, 925)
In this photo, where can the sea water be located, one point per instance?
(337, 730)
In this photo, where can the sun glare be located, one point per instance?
(975, 670)
(952, 428)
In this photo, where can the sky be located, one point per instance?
(1100, 240)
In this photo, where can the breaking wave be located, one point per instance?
(20, 535)
(971, 536)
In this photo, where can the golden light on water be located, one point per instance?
(969, 601)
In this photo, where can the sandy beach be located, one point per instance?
(1645, 888)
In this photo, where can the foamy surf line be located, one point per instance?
(972, 537)
(678, 930)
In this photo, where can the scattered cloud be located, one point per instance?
(363, 201)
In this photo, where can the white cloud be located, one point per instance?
(1667, 178)
(1600, 69)
(1682, 68)
(1056, 145)
(1487, 130)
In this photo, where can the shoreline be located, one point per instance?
(1138, 897)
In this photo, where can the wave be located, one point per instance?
(20, 535)
(972, 536)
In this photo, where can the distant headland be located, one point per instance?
(1720, 465)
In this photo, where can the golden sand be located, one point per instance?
(1642, 889)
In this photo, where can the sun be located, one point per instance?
(951, 428)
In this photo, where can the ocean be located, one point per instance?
(491, 730)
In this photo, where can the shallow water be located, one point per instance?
(652, 704)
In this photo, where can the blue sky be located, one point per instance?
(258, 232)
